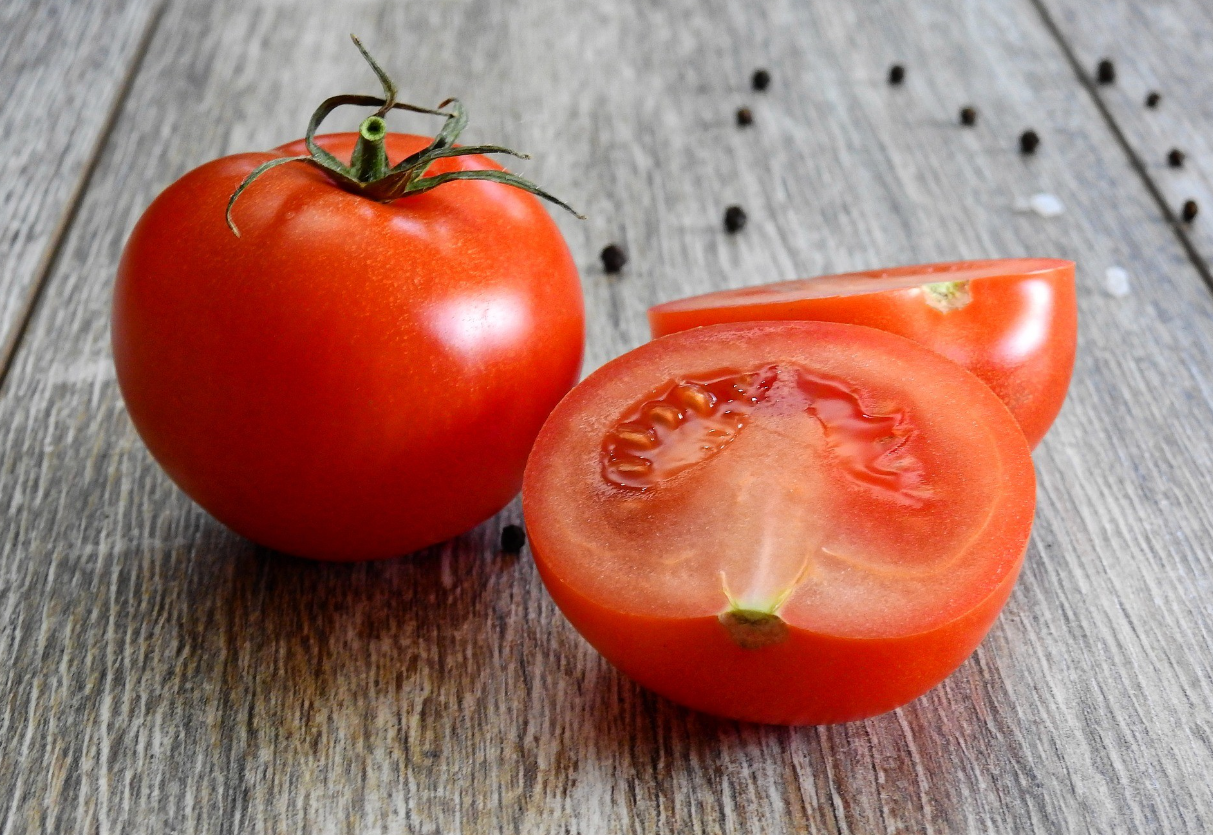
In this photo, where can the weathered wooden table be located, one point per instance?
(159, 674)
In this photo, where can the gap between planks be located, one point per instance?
(1135, 160)
(46, 266)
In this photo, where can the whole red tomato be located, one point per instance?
(349, 378)
(1013, 322)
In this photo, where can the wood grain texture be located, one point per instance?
(158, 674)
(62, 65)
(1164, 47)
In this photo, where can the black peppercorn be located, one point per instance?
(897, 74)
(1175, 158)
(1028, 142)
(761, 80)
(734, 218)
(968, 116)
(613, 258)
(1190, 210)
(745, 117)
(1105, 73)
(513, 537)
(1153, 99)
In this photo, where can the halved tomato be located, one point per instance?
(795, 523)
(1012, 322)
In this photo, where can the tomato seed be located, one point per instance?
(897, 74)
(734, 219)
(1029, 141)
(664, 414)
(633, 466)
(513, 537)
(1175, 158)
(637, 436)
(1105, 73)
(968, 116)
(613, 258)
(745, 117)
(761, 80)
(1189, 211)
(1153, 99)
(695, 397)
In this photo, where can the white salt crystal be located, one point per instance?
(1116, 282)
(1046, 205)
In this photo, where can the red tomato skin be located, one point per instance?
(839, 679)
(347, 380)
(1018, 334)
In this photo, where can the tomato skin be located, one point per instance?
(838, 679)
(1018, 334)
(347, 380)
(680, 649)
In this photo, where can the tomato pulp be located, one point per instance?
(1013, 322)
(348, 379)
(795, 523)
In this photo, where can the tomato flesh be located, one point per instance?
(1012, 322)
(795, 523)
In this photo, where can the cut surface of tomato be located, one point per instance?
(1011, 321)
(799, 523)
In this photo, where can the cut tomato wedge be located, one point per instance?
(1012, 322)
(801, 522)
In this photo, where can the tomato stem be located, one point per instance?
(369, 162)
(369, 173)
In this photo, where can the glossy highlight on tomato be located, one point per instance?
(788, 523)
(348, 379)
(1013, 322)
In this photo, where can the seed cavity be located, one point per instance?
(686, 423)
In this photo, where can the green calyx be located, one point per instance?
(369, 173)
(752, 629)
(947, 295)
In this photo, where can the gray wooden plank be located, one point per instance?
(62, 65)
(159, 674)
(1165, 47)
